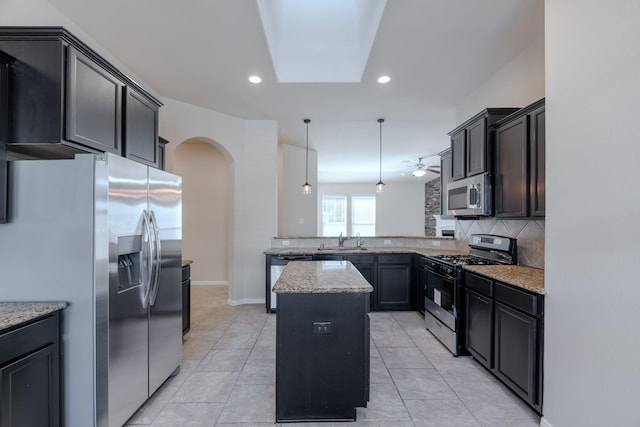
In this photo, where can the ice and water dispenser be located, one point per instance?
(130, 262)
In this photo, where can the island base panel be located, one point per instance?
(322, 356)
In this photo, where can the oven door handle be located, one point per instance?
(440, 275)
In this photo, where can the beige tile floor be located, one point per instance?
(227, 376)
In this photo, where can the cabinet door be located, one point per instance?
(419, 285)
(394, 287)
(94, 104)
(516, 351)
(4, 116)
(537, 163)
(141, 129)
(368, 272)
(479, 325)
(458, 155)
(476, 147)
(512, 174)
(445, 178)
(186, 306)
(30, 391)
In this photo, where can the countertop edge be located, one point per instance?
(520, 276)
(16, 313)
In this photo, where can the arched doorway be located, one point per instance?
(206, 201)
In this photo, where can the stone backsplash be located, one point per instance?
(431, 206)
(530, 235)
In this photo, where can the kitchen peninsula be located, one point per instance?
(322, 341)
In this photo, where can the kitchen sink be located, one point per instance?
(338, 249)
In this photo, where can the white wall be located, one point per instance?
(592, 374)
(399, 208)
(42, 13)
(297, 212)
(249, 146)
(206, 188)
(519, 83)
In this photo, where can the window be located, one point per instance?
(363, 215)
(338, 216)
(334, 215)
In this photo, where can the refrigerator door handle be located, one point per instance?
(146, 223)
(158, 257)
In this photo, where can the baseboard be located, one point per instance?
(209, 283)
(544, 422)
(246, 301)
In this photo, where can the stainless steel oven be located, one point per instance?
(444, 292)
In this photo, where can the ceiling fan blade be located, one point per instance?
(434, 169)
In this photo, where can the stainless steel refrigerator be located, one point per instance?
(105, 234)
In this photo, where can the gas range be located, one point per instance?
(485, 249)
(444, 301)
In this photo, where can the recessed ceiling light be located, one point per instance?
(255, 79)
(384, 79)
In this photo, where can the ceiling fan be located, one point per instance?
(420, 169)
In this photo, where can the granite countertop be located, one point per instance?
(321, 277)
(186, 262)
(15, 313)
(521, 276)
(368, 250)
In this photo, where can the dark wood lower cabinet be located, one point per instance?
(30, 374)
(516, 351)
(393, 286)
(186, 299)
(419, 284)
(504, 333)
(479, 320)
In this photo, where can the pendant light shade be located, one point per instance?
(380, 184)
(306, 187)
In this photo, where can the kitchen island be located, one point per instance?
(322, 341)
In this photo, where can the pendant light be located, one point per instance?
(306, 187)
(380, 184)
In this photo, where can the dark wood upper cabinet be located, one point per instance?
(64, 98)
(94, 104)
(477, 147)
(520, 163)
(537, 162)
(512, 173)
(445, 179)
(471, 143)
(458, 155)
(141, 130)
(5, 60)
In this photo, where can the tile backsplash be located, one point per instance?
(530, 235)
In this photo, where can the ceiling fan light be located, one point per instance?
(418, 172)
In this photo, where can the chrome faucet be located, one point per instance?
(359, 242)
(341, 240)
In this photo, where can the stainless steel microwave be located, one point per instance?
(470, 196)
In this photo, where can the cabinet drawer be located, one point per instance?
(521, 300)
(478, 284)
(394, 259)
(186, 272)
(28, 338)
(361, 258)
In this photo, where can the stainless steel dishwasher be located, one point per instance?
(278, 262)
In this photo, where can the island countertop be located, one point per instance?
(321, 277)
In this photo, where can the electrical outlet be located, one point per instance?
(321, 328)
(301, 221)
(285, 243)
(435, 243)
(387, 242)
